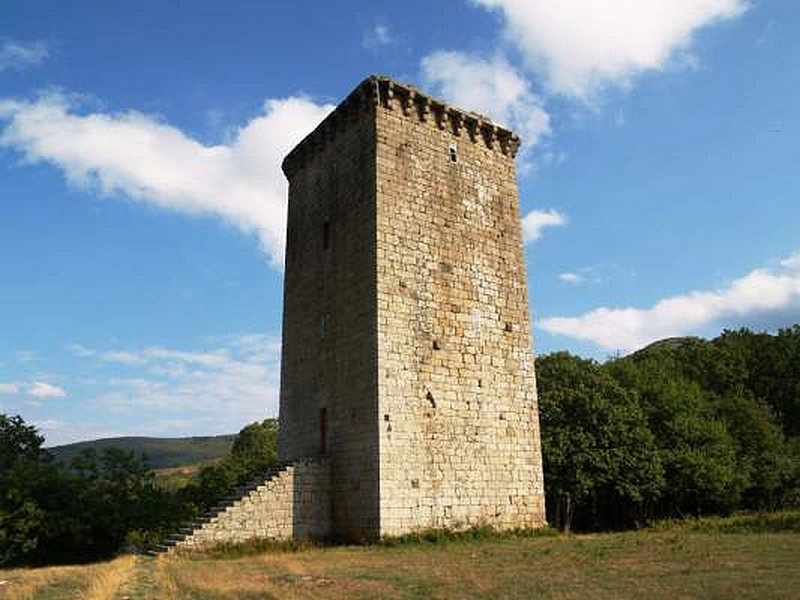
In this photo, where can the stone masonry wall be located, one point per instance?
(294, 504)
(328, 379)
(407, 356)
(459, 429)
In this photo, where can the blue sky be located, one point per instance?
(142, 205)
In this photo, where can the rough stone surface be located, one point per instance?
(293, 504)
(407, 355)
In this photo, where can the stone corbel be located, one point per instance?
(423, 106)
(389, 95)
(406, 100)
(504, 137)
(489, 133)
(456, 122)
(472, 128)
(440, 114)
(372, 92)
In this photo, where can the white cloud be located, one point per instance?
(151, 161)
(121, 356)
(79, 351)
(42, 389)
(488, 86)
(581, 46)
(21, 55)
(759, 295)
(570, 277)
(189, 392)
(792, 262)
(149, 355)
(377, 37)
(26, 356)
(535, 221)
(57, 432)
(9, 388)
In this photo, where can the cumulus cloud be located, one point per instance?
(188, 392)
(791, 262)
(377, 37)
(42, 389)
(535, 221)
(570, 277)
(18, 55)
(758, 296)
(9, 388)
(488, 86)
(581, 46)
(151, 161)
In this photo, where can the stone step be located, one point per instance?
(225, 503)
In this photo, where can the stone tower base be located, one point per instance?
(292, 503)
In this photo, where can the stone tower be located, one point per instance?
(407, 367)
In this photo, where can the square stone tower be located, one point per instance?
(407, 362)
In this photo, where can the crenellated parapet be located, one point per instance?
(378, 92)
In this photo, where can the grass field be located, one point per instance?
(99, 581)
(722, 558)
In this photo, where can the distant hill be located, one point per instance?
(161, 452)
(667, 344)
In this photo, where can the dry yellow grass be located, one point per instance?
(694, 560)
(107, 582)
(24, 584)
(99, 581)
(642, 565)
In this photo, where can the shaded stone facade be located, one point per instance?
(407, 358)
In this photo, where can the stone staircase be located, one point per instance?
(213, 514)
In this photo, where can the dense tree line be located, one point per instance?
(683, 427)
(95, 506)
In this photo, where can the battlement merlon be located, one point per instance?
(379, 91)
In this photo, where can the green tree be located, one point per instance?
(696, 449)
(600, 460)
(254, 451)
(18, 442)
(23, 464)
(256, 445)
(764, 457)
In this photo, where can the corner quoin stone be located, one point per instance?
(407, 363)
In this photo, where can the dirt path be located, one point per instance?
(141, 580)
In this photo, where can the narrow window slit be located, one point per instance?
(430, 399)
(323, 431)
(324, 322)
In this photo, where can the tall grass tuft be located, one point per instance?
(751, 522)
